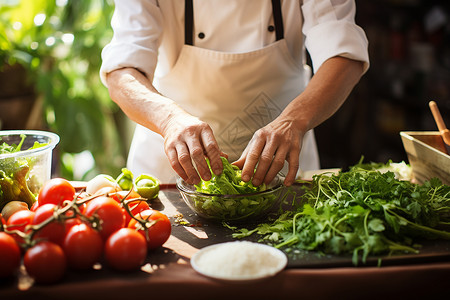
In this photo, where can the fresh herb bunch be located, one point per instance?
(363, 212)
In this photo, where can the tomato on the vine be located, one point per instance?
(157, 234)
(45, 262)
(110, 213)
(54, 231)
(55, 191)
(9, 255)
(135, 207)
(69, 223)
(125, 250)
(34, 206)
(19, 221)
(120, 195)
(83, 246)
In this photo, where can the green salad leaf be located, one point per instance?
(229, 182)
(218, 205)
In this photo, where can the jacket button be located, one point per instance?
(201, 35)
(271, 28)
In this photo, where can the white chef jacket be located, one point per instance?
(149, 35)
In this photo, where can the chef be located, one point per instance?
(210, 78)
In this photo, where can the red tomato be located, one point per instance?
(71, 220)
(158, 233)
(55, 191)
(18, 221)
(34, 206)
(111, 215)
(45, 262)
(54, 231)
(69, 223)
(135, 208)
(125, 250)
(119, 196)
(9, 255)
(83, 247)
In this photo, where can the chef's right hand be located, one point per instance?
(188, 141)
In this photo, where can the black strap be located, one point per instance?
(278, 19)
(189, 21)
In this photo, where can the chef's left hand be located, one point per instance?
(269, 148)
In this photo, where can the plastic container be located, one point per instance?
(39, 160)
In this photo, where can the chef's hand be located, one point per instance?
(188, 141)
(268, 149)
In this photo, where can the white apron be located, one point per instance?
(235, 93)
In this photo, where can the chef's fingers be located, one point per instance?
(267, 160)
(241, 160)
(278, 162)
(212, 151)
(197, 155)
(175, 164)
(252, 155)
(185, 159)
(294, 164)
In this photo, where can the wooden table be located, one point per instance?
(167, 273)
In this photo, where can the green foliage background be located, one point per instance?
(59, 43)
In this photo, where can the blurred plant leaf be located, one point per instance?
(59, 43)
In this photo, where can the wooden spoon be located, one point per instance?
(445, 133)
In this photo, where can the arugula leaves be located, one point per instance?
(362, 212)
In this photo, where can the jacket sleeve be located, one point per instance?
(137, 27)
(330, 30)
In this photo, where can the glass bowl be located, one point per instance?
(33, 165)
(239, 207)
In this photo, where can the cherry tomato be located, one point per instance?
(111, 215)
(158, 233)
(10, 255)
(135, 208)
(83, 247)
(34, 206)
(73, 220)
(69, 223)
(19, 221)
(120, 195)
(55, 191)
(45, 262)
(54, 231)
(125, 250)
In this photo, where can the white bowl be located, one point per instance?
(231, 262)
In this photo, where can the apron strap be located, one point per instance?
(189, 21)
(278, 19)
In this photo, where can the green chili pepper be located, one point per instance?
(125, 180)
(147, 186)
